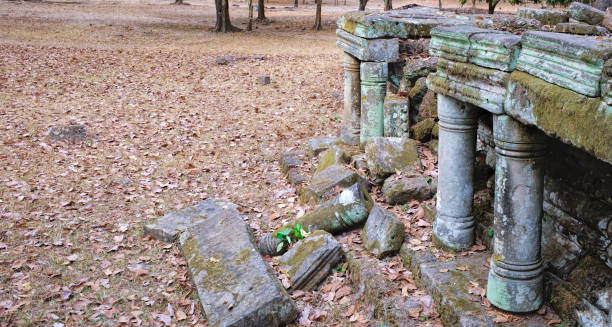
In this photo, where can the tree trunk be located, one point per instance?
(250, 23)
(223, 19)
(362, 4)
(317, 24)
(295, 4)
(492, 4)
(260, 10)
(388, 5)
(178, 2)
(440, 4)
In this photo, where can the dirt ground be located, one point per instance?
(167, 127)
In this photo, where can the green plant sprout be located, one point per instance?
(297, 233)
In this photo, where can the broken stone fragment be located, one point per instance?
(168, 227)
(346, 211)
(407, 187)
(310, 260)
(585, 13)
(545, 16)
(263, 79)
(383, 233)
(383, 50)
(581, 29)
(292, 159)
(317, 145)
(423, 129)
(386, 155)
(326, 181)
(224, 60)
(235, 285)
(335, 155)
(429, 106)
(414, 70)
(70, 133)
(296, 177)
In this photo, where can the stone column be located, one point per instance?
(454, 224)
(515, 277)
(351, 120)
(373, 91)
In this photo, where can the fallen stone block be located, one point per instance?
(509, 23)
(428, 108)
(383, 233)
(395, 116)
(422, 130)
(483, 87)
(545, 16)
(326, 181)
(317, 145)
(335, 155)
(386, 155)
(607, 20)
(572, 62)
(72, 133)
(168, 227)
(263, 79)
(296, 177)
(310, 260)
(384, 50)
(235, 285)
(407, 187)
(346, 211)
(581, 29)
(292, 159)
(571, 117)
(224, 60)
(606, 83)
(414, 70)
(585, 13)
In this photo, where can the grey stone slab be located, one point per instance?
(317, 145)
(235, 285)
(545, 16)
(72, 133)
(581, 29)
(310, 260)
(483, 87)
(383, 50)
(585, 13)
(386, 155)
(383, 233)
(292, 159)
(168, 227)
(570, 61)
(405, 188)
(326, 181)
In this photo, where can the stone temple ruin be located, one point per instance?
(519, 110)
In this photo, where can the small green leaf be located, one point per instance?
(405, 208)
(428, 179)
(279, 247)
(491, 232)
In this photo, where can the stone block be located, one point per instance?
(407, 187)
(326, 181)
(545, 16)
(72, 133)
(483, 87)
(395, 111)
(317, 145)
(263, 79)
(310, 260)
(383, 50)
(292, 159)
(606, 83)
(585, 13)
(572, 62)
(492, 50)
(453, 43)
(581, 29)
(383, 233)
(416, 69)
(607, 20)
(422, 130)
(168, 227)
(235, 285)
(386, 155)
(509, 23)
(335, 155)
(571, 117)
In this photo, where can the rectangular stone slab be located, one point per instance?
(408, 23)
(570, 61)
(395, 121)
(235, 285)
(546, 16)
(606, 82)
(494, 50)
(483, 87)
(571, 117)
(453, 42)
(385, 50)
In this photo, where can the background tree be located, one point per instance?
(362, 4)
(493, 3)
(317, 25)
(261, 16)
(250, 24)
(388, 5)
(223, 19)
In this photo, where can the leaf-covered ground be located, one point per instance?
(166, 128)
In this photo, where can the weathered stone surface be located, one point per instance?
(383, 233)
(585, 13)
(235, 285)
(417, 92)
(72, 133)
(606, 83)
(386, 155)
(414, 70)
(376, 290)
(455, 303)
(607, 20)
(373, 92)
(579, 28)
(384, 50)
(224, 60)
(483, 87)
(414, 47)
(309, 261)
(559, 252)
(573, 118)
(410, 186)
(326, 181)
(453, 43)
(602, 4)
(292, 159)
(351, 117)
(508, 23)
(359, 162)
(569, 61)
(545, 16)
(168, 227)
(296, 176)
(415, 22)
(335, 155)
(317, 145)
(395, 115)
(422, 130)
(263, 79)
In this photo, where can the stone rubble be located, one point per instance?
(383, 233)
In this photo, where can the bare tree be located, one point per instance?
(317, 25)
(295, 4)
(261, 16)
(250, 24)
(223, 19)
(388, 5)
(362, 4)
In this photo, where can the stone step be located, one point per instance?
(453, 288)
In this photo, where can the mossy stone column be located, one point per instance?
(351, 120)
(373, 91)
(515, 277)
(454, 223)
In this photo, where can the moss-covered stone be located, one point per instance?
(422, 130)
(386, 155)
(383, 233)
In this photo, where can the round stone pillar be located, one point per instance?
(515, 275)
(373, 91)
(351, 120)
(454, 223)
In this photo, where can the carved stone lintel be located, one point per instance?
(454, 224)
(515, 278)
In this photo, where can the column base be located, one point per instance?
(453, 233)
(524, 293)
